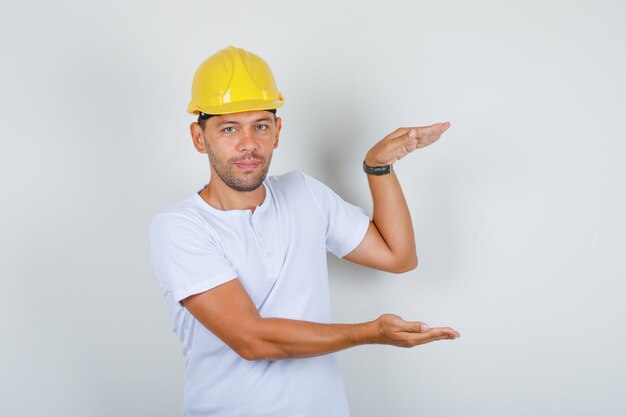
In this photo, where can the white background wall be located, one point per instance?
(518, 210)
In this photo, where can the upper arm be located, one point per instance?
(373, 252)
(191, 265)
(345, 224)
(228, 312)
(185, 257)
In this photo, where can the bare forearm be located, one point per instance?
(393, 219)
(391, 243)
(276, 338)
(228, 312)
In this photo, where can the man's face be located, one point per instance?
(239, 146)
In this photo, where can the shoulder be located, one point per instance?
(286, 180)
(183, 217)
(303, 191)
(298, 188)
(293, 181)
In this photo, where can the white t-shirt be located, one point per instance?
(278, 252)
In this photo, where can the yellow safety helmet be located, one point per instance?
(233, 80)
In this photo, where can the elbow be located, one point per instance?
(406, 265)
(414, 262)
(249, 354)
(248, 350)
(253, 343)
(255, 350)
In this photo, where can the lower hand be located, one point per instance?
(393, 330)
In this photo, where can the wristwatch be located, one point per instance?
(381, 170)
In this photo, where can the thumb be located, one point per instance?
(418, 327)
(410, 136)
(411, 141)
(405, 143)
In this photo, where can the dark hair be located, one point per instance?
(203, 117)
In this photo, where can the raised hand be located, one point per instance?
(403, 141)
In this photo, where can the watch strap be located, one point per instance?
(380, 170)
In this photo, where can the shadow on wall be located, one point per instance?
(341, 146)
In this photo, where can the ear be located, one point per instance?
(279, 125)
(197, 137)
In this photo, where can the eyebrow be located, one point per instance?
(232, 122)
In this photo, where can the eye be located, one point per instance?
(229, 129)
(261, 127)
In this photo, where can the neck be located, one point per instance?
(222, 197)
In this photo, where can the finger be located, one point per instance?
(413, 327)
(436, 129)
(406, 141)
(443, 333)
(427, 135)
(453, 332)
(433, 335)
(401, 131)
(395, 149)
(440, 127)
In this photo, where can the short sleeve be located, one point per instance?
(185, 257)
(346, 224)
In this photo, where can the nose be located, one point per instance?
(247, 141)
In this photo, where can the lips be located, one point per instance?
(247, 164)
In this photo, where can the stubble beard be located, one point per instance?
(226, 171)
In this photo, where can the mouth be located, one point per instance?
(247, 164)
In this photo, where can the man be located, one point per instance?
(242, 263)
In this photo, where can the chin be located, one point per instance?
(245, 187)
